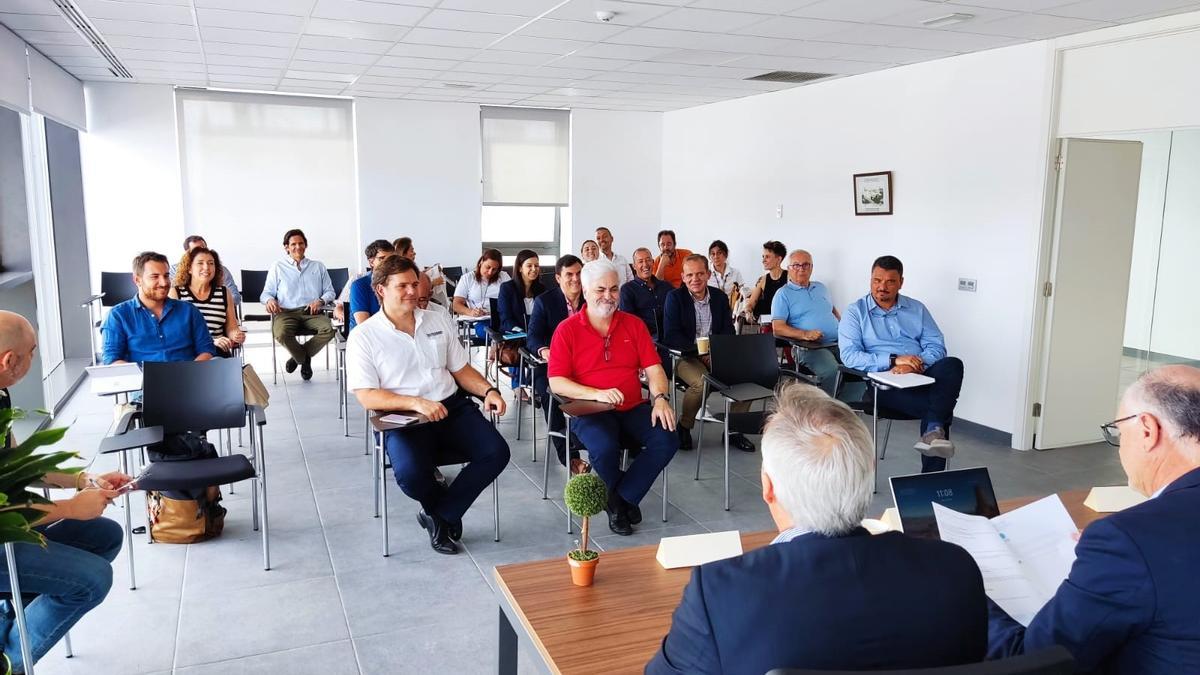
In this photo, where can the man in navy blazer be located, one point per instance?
(1131, 603)
(696, 310)
(825, 594)
(549, 309)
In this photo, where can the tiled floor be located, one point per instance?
(332, 604)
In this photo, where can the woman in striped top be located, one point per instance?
(197, 281)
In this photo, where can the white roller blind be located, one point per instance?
(257, 165)
(14, 72)
(526, 156)
(56, 93)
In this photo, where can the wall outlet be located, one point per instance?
(967, 285)
(779, 211)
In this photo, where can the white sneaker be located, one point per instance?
(935, 444)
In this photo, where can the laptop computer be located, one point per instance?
(120, 378)
(963, 490)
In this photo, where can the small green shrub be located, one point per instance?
(585, 495)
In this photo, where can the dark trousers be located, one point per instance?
(934, 404)
(601, 434)
(465, 433)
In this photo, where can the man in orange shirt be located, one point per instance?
(668, 266)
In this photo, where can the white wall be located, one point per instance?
(966, 140)
(616, 177)
(131, 183)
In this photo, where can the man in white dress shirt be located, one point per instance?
(296, 289)
(408, 359)
(604, 239)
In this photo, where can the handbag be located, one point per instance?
(178, 517)
(255, 391)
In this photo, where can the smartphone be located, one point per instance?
(128, 487)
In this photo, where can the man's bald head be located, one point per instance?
(1172, 394)
(17, 343)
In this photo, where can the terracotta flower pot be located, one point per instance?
(583, 571)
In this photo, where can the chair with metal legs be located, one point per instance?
(531, 366)
(745, 369)
(867, 407)
(377, 428)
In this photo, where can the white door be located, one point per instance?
(1096, 205)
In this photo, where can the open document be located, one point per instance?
(1024, 555)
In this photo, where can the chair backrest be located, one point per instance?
(193, 395)
(548, 281)
(453, 274)
(253, 283)
(1055, 660)
(741, 359)
(340, 276)
(117, 287)
(494, 315)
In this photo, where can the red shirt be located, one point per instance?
(577, 353)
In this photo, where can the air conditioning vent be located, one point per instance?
(88, 32)
(788, 76)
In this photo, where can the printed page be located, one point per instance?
(1041, 535)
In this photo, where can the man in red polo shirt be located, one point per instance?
(596, 355)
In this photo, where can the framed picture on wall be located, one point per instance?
(873, 194)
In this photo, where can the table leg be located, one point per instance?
(507, 658)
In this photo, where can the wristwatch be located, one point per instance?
(892, 360)
(663, 397)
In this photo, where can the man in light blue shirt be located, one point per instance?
(295, 291)
(888, 331)
(803, 310)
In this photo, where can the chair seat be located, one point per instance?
(747, 391)
(743, 422)
(256, 317)
(197, 473)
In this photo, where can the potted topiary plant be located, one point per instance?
(585, 496)
(19, 469)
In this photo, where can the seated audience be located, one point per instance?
(884, 330)
(758, 303)
(152, 326)
(1128, 604)
(605, 239)
(549, 310)
(72, 573)
(196, 283)
(724, 276)
(226, 278)
(803, 310)
(363, 301)
(589, 251)
(404, 246)
(405, 358)
(697, 310)
(515, 303)
(825, 594)
(596, 355)
(645, 296)
(297, 288)
(668, 266)
(476, 289)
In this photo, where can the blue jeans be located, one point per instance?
(70, 576)
(416, 452)
(602, 433)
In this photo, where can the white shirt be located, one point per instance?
(726, 281)
(477, 294)
(624, 272)
(380, 357)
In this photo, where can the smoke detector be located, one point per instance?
(605, 16)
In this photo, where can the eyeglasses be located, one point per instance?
(800, 266)
(1112, 430)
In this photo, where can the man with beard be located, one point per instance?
(596, 355)
(152, 326)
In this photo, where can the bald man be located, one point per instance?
(73, 573)
(1129, 603)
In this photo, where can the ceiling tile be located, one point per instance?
(232, 60)
(311, 86)
(865, 11)
(662, 68)
(1013, 5)
(54, 51)
(133, 11)
(573, 61)
(374, 12)
(704, 20)
(894, 55)
(449, 38)
(243, 79)
(431, 51)
(334, 56)
(526, 8)
(521, 43)
(919, 38)
(21, 22)
(409, 73)
(137, 66)
(248, 37)
(30, 7)
(477, 22)
(756, 6)
(327, 66)
(215, 70)
(624, 52)
(46, 37)
(295, 7)
(93, 73)
(627, 13)
(516, 88)
(1036, 26)
(343, 44)
(659, 37)
(413, 62)
(235, 49)
(154, 43)
(320, 76)
(797, 28)
(223, 18)
(111, 27)
(357, 30)
(160, 56)
(81, 61)
(514, 58)
(696, 57)
(1116, 10)
(571, 30)
(494, 68)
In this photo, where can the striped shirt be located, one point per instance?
(213, 309)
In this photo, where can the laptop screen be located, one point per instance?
(963, 490)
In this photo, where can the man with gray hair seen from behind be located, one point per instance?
(825, 594)
(1129, 603)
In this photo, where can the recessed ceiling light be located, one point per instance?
(456, 85)
(947, 20)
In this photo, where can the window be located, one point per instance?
(526, 179)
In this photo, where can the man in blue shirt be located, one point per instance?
(888, 331)
(803, 310)
(295, 291)
(363, 301)
(646, 295)
(151, 326)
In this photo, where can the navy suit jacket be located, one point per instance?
(549, 309)
(856, 602)
(512, 305)
(1131, 603)
(679, 317)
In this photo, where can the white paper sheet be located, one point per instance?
(1113, 499)
(697, 549)
(901, 381)
(1024, 555)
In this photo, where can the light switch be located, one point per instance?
(967, 285)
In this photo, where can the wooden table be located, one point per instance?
(618, 624)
